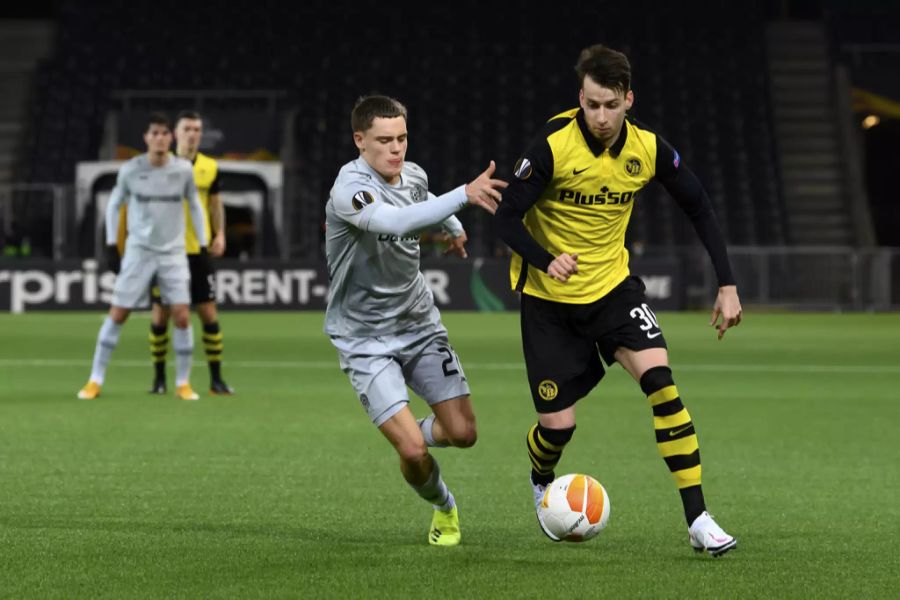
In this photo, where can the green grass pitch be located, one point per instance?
(286, 490)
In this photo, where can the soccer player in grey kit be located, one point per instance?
(155, 186)
(381, 315)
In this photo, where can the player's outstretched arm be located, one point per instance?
(728, 308)
(384, 218)
(484, 191)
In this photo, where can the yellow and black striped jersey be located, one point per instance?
(206, 177)
(570, 194)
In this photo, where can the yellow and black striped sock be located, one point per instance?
(212, 343)
(675, 438)
(159, 345)
(545, 448)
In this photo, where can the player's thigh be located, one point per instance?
(375, 375)
(138, 267)
(431, 367)
(627, 321)
(203, 280)
(562, 364)
(173, 278)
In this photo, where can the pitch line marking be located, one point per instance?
(493, 366)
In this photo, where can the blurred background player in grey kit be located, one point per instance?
(188, 133)
(154, 186)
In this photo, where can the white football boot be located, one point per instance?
(538, 491)
(706, 535)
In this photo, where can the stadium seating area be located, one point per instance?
(478, 80)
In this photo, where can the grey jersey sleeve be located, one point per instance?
(451, 224)
(361, 206)
(119, 193)
(197, 217)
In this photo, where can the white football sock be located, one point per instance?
(426, 424)
(183, 343)
(434, 490)
(107, 340)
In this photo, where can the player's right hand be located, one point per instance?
(484, 191)
(563, 267)
(113, 262)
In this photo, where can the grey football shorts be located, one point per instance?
(381, 367)
(139, 266)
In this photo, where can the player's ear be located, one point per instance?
(629, 99)
(358, 140)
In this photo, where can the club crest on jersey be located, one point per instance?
(523, 168)
(633, 167)
(417, 193)
(361, 199)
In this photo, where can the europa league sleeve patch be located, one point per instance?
(523, 169)
(361, 199)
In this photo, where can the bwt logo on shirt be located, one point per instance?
(388, 237)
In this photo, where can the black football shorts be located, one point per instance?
(563, 343)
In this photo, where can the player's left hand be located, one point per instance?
(457, 245)
(728, 307)
(217, 248)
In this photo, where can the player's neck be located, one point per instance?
(158, 159)
(186, 154)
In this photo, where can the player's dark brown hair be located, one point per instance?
(368, 108)
(610, 68)
(158, 118)
(188, 114)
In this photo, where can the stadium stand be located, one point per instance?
(698, 80)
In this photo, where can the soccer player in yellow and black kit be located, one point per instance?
(188, 132)
(564, 215)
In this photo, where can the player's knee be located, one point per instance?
(413, 452)
(465, 435)
(181, 318)
(655, 379)
(207, 312)
(118, 315)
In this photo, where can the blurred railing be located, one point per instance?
(810, 277)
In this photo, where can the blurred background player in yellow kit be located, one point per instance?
(188, 133)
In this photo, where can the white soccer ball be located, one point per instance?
(575, 507)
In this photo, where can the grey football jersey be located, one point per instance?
(376, 285)
(155, 199)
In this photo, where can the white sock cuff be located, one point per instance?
(427, 425)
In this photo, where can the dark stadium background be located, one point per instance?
(766, 102)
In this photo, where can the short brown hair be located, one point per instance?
(610, 68)
(368, 108)
(159, 118)
(193, 115)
